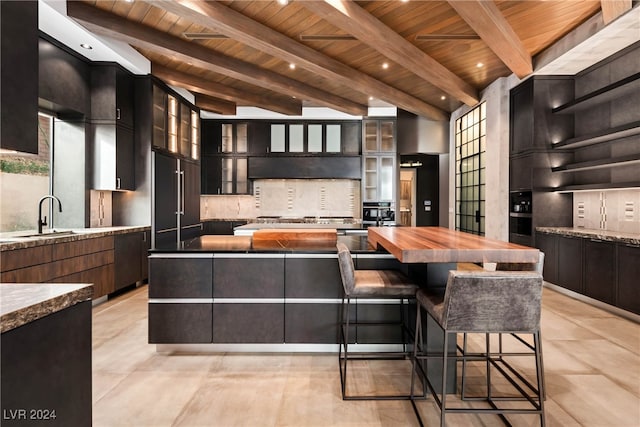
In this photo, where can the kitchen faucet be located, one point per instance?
(40, 221)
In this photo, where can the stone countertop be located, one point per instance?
(609, 236)
(29, 239)
(245, 244)
(22, 303)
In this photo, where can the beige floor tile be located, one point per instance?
(150, 399)
(591, 359)
(594, 400)
(235, 399)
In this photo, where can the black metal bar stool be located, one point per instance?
(377, 284)
(483, 302)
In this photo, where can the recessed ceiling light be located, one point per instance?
(371, 98)
(86, 46)
(283, 2)
(385, 65)
(292, 66)
(479, 65)
(443, 97)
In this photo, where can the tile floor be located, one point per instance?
(592, 366)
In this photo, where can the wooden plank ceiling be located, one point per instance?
(438, 54)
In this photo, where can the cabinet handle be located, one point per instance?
(596, 240)
(118, 184)
(117, 114)
(182, 192)
(144, 236)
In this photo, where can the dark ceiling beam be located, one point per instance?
(215, 105)
(117, 27)
(484, 17)
(350, 17)
(611, 9)
(193, 83)
(222, 19)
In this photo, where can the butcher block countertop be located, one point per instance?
(437, 244)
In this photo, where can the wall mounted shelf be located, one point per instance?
(606, 135)
(602, 95)
(599, 164)
(598, 186)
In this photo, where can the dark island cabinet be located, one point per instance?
(241, 282)
(181, 276)
(176, 277)
(221, 227)
(248, 276)
(628, 270)
(570, 263)
(177, 323)
(600, 270)
(248, 323)
(313, 277)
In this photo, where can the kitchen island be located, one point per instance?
(227, 293)
(45, 354)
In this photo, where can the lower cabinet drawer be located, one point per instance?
(175, 323)
(313, 324)
(248, 323)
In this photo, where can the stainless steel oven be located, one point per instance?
(378, 214)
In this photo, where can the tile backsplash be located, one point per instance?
(101, 209)
(288, 198)
(614, 210)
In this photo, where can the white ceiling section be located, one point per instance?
(589, 44)
(53, 21)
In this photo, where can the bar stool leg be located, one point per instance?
(464, 365)
(488, 364)
(540, 376)
(443, 407)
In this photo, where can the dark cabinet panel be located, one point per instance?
(180, 277)
(312, 277)
(628, 270)
(570, 263)
(145, 245)
(19, 75)
(211, 175)
(180, 323)
(127, 259)
(313, 323)
(166, 193)
(221, 227)
(258, 137)
(351, 137)
(248, 323)
(191, 196)
(380, 334)
(600, 270)
(305, 167)
(248, 277)
(365, 262)
(111, 95)
(46, 366)
(125, 159)
(548, 243)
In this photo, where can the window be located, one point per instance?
(24, 179)
(470, 170)
(173, 124)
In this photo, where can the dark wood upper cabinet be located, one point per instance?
(19, 75)
(111, 95)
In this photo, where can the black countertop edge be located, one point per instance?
(227, 244)
(605, 235)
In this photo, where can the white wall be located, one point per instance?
(288, 198)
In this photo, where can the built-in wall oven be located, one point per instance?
(378, 214)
